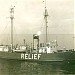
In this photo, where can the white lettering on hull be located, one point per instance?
(22, 56)
(26, 56)
(30, 56)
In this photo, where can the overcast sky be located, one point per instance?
(29, 16)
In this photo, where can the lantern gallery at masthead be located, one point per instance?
(30, 56)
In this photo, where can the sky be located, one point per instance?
(29, 16)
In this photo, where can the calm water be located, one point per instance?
(10, 67)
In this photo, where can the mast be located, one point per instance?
(24, 42)
(45, 17)
(12, 17)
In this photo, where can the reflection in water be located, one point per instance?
(12, 67)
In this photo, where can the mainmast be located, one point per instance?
(12, 17)
(45, 17)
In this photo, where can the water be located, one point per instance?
(13, 67)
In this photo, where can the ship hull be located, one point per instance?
(65, 57)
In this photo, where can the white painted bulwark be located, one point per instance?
(4, 48)
(48, 50)
(23, 47)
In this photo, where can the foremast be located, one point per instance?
(45, 17)
(12, 17)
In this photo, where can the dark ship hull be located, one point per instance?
(67, 57)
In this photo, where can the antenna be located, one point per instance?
(12, 17)
(45, 17)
